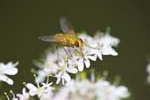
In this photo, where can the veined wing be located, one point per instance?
(54, 38)
(66, 26)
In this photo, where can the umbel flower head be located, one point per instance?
(80, 88)
(73, 57)
(85, 89)
(65, 60)
(8, 69)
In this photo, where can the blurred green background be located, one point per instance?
(22, 22)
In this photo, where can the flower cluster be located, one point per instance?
(63, 61)
(88, 90)
(78, 89)
(43, 91)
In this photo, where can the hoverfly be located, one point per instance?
(67, 38)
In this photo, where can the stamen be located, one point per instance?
(108, 29)
(105, 74)
(24, 83)
(5, 93)
(32, 70)
(117, 80)
(13, 94)
(36, 81)
(47, 81)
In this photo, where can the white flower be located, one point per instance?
(46, 71)
(24, 95)
(100, 44)
(68, 59)
(105, 43)
(91, 45)
(33, 90)
(8, 69)
(84, 59)
(90, 90)
(106, 91)
(62, 73)
(63, 93)
(48, 67)
(41, 75)
(88, 40)
(40, 91)
(47, 94)
(122, 92)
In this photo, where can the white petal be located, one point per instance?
(15, 99)
(24, 91)
(72, 70)
(10, 64)
(99, 54)
(122, 92)
(112, 41)
(80, 65)
(109, 51)
(16, 63)
(24, 95)
(6, 79)
(10, 71)
(66, 77)
(59, 76)
(93, 51)
(41, 76)
(32, 89)
(30, 86)
(61, 62)
(87, 63)
(58, 80)
(92, 57)
(148, 68)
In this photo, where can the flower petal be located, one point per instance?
(109, 51)
(32, 89)
(41, 76)
(72, 70)
(66, 77)
(10, 71)
(10, 64)
(6, 79)
(80, 65)
(87, 63)
(92, 57)
(122, 92)
(59, 76)
(99, 54)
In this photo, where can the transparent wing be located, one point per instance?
(52, 39)
(66, 26)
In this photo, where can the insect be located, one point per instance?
(67, 38)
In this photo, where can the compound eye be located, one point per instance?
(77, 43)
